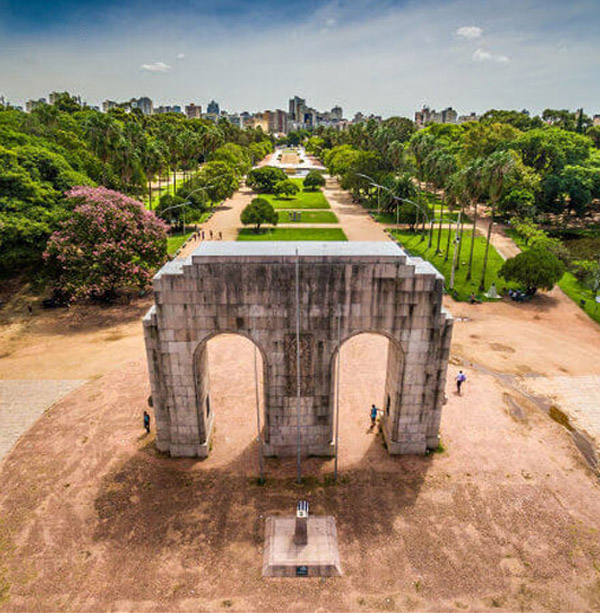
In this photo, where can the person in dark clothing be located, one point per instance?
(147, 422)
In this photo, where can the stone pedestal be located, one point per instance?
(319, 557)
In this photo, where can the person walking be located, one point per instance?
(147, 422)
(460, 379)
(374, 411)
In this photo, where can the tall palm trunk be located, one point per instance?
(460, 233)
(448, 242)
(472, 241)
(487, 248)
(439, 237)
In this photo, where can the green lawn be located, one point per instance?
(175, 241)
(390, 218)
(569, 285)
(293, 234)
(412, 243)
(308, 216)
(302, 200)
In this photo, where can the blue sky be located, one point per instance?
(380, 56)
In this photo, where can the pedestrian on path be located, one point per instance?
(147, 422)
(460, 379)
(374, 411)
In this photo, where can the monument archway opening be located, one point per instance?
(230, 383)
(370, 371)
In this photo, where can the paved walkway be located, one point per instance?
(354, 219)
(578, 397)
(22, 401)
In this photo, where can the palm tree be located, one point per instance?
(496, 170)
(439, 166)
(473, 187)
(152, 162)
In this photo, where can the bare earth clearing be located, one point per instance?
(93, 519)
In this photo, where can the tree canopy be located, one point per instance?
(536, 268)
(259, 212)
(108, 242)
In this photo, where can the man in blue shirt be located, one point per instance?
(374, 410)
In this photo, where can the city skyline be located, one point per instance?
(386, 58)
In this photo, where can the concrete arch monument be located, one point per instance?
(250, 289)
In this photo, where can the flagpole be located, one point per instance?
(261, 460)
(298, 380)
(337, 395)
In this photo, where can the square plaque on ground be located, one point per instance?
(318, 558)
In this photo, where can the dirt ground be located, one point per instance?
(92, 518)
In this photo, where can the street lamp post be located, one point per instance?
(374, 184)
(418, 206)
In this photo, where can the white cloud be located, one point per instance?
(481, 55)
(469, 32)
(156, 67)
(181, 56)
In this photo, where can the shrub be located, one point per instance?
(263, 180)
(286, 188)
(536, 268)
(258, 212)
(314, 180)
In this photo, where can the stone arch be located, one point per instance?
(249, 289)
(393, 387)
(204, 411)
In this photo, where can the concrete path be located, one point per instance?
(226, 220)
(23, 401)
(576, 396)
(354, 219)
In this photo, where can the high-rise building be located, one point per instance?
(337, 113)
(144, 104)
(426, 116)
(297, 108)
(107, 105)
(213, 108)
(277, 121)
(193, 111)
(159, 110)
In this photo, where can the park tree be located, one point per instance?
(518, 119)
(536, 268)
(314, 180)
(593, 132)
(286, 188)
(259, 212)
(263, 180)
(496, 171)
(109, 242)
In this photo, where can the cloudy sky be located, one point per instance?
(379, 56)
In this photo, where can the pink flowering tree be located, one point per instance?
(109, 242)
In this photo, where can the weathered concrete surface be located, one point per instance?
(320, 555)
(250, 289)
